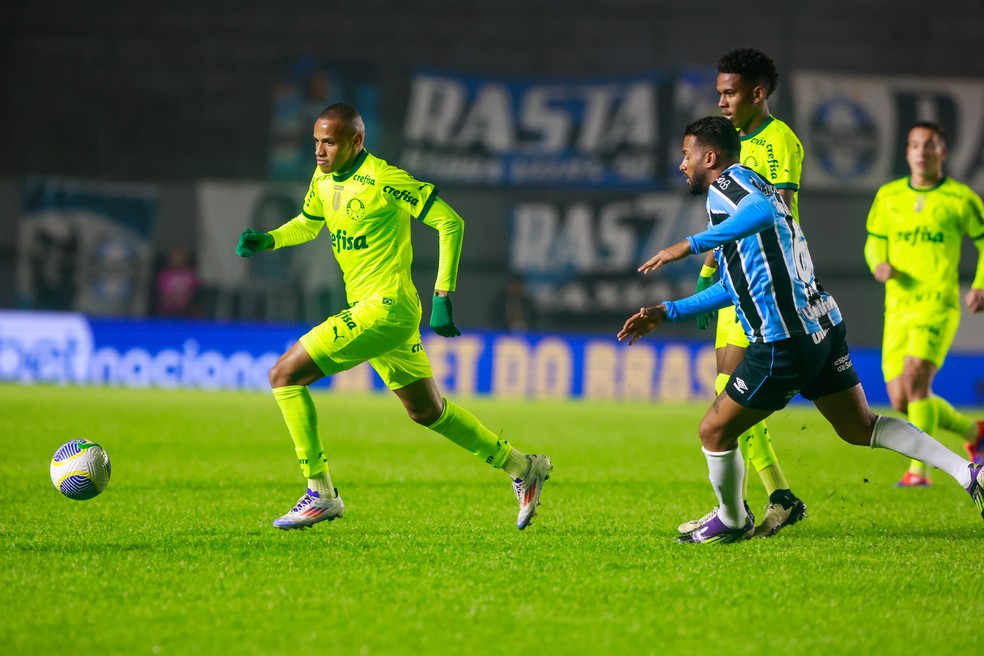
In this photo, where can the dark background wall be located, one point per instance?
(170, 93)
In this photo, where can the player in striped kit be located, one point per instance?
(746, 79)
(796, 334)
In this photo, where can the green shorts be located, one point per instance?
(921, 331)
(729, 329)
(383, 332)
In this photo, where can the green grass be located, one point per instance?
(178, 555)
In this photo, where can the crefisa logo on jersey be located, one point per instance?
(401, 194)
(845, 138)
(341, 240)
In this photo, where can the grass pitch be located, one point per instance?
(178, 555)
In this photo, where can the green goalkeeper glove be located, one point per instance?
(442, 321)
(704, 320)
(252, 242)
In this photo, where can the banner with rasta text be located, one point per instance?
(462, 129)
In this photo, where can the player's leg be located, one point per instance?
(848, 412)
(971, 431)
(917, 379)
(407, 372)
(289, 380)
(928, 333)
(895, 341)
(425, 406)
(343, 341)
(942, 327)
(784, 507)
(719, 431)
(837, 393)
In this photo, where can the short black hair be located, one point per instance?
(718, 133)
(345, 113)
(931, 125)
(753, 66)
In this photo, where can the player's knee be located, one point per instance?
(280, 375)
(424, 415)
(917, 382)
(713, 437)
(899, 404)
(857, 430)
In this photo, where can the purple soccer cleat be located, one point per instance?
(714, 531)
(976, 487)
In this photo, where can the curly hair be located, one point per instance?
(718, 133)
(752, 65)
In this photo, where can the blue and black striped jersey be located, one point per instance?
(763, 260)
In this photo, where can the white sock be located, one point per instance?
(517, 465)
(322, 485)
(726, 471)
(902, 437)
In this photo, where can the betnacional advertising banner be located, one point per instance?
(854, 128)
(71, 349)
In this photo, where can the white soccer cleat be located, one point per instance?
(311, 509)
(528, 489)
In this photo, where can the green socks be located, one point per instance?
(301, 418)
(462, 428)
(948, 418)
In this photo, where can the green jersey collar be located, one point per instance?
(908, 182)
(764, 125)
(355, 167)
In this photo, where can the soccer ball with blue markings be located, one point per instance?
(80, 469)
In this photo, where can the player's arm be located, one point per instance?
(975, 296)
(786, 194)
(711, 299)
(754, 214)
(876, 244)
(704, 280)
(451, 229)
(647, 320)
(302, 228)
(788, 152)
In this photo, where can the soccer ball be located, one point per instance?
(80, 469)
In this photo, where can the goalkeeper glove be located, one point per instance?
(441, 321)
(704, 320)
(252, 242)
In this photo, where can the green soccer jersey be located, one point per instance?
(367, 211)
(774, 152)
(918, 232)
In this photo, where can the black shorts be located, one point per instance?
(811, 365)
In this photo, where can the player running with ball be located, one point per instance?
(368, 206)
